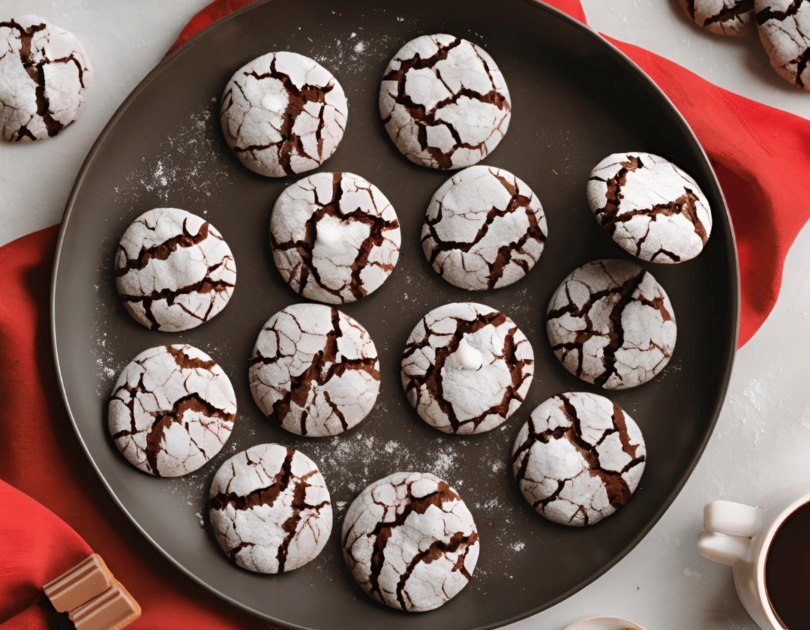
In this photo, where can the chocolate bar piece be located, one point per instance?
(83, 582)
(112, 610)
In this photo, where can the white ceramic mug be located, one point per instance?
(740, 536)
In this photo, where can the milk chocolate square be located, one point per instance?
(112, 610)
(83, 582)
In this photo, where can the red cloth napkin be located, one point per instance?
(761, 156)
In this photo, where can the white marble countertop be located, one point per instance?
(763, 435)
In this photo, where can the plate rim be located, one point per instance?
(733, 335)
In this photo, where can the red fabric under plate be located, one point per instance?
(761, 156)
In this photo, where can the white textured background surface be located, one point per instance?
(763, 437)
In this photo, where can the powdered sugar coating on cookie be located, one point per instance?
(444, 102)
(335, 237)
(466, 368)
(270, 509)
(723, 17)
(611, 324)
(650, 207)
(172, 410)
(173, 270)
(45, 72)
(410, 541)
(283, 113)
(314, 370)
(579, 458)
(484, 229)
(784, 29)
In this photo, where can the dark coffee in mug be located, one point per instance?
(787, 571)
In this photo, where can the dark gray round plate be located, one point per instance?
(576, 99)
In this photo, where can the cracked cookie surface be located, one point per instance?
(270, 509)
(335, 237)
(466, 368)
(410, 541)
(611, 324)
(444, 102)
(484, 229)
(45, 72)
(723, 17)
(172, 410)
(173, 270)
(314, 370)
(784, 29)
(283, 113)
(579, 458)
(650, 207)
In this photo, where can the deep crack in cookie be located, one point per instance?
(335, 237)
(722, 17)
(173, 270)
(45, 73)
(172, 410)
(410, 541)
(270, 509)
(650, 207)
(283, 113)
(611, 324)
(466, 368)
(444, 102)
(578, 459)
(314, 370)
(484, 229)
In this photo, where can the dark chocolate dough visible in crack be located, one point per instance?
(282, 114)
(723, 17)
(270, 509)
(484, 229)
(45, 72)
(466, 368)
(314, 370)
(650, 207)
(172, 410)
(579, 458)
(444, 102)
(611, 324)
(335, 237)
(410, 541)
(173, 270)
(784, 29)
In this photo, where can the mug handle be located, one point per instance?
(727, 531)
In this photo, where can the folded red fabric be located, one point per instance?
(761, 156)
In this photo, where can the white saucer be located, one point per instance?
(604, 623)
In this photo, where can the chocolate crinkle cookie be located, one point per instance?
(410, 541)
(444, 102)
(466, 368)
(578, 459)
(650, 207)
(314, 370)
(484, 229)
(784, 29)
(270, 509)
(173, 270)
(335, 237)
(723, 17)
(172, 410)
(611, 324)
(44, 73)
(283, 113)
